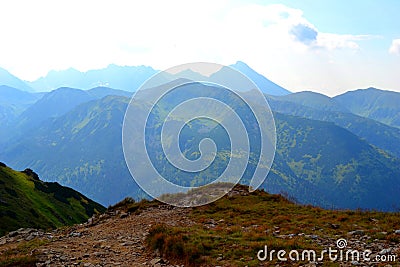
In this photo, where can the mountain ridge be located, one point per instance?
(377, 104)
(26, 201)
(263, 83)
(6, 78)
(375, 132)
(127, 78)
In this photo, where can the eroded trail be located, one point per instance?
(117, 240)
(113, 239)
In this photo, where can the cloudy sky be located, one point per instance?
(328, 46)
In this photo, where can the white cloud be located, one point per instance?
(336, 41)
(395, 47)
(41, 35)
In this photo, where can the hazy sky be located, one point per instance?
(324, 46)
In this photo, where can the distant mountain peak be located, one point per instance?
(313, 100)
(266, 86)
(127, 78)
(8, 79)
(240, 63)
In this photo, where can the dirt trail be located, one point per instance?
(113, 239)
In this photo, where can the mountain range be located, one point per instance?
(127, 78)
(331, 152)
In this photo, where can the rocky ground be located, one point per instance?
(112, 239)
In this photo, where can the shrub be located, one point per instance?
(174, 245)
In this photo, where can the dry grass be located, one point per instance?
(231, 230)
(21, 254)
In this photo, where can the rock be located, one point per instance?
(30, 237)
(90, 221)
(397, 232)
(98, 254)
(334, 226)
(385, 251)
(123, 215)
(155, 261)
(3, 240)
(75, 234)
(356, 232)
(63, 258)
(13, 233)
(276, 232)
(27, 231)
(127, 243)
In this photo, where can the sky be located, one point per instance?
(326, 46)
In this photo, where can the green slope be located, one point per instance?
(373, 103)
(26, 201)
(317, 107)
(345, 169)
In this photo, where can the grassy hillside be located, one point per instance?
(345, 169)
(230, 231)
(317, 107)
(26, 201)
(373, 103)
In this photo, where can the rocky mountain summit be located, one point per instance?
(228, 232)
